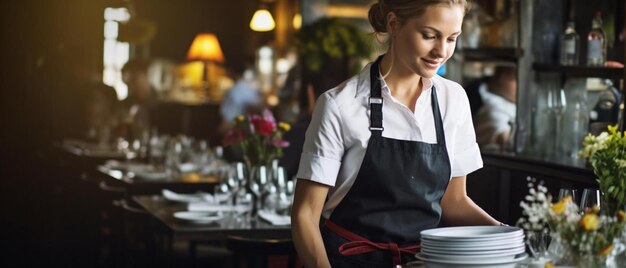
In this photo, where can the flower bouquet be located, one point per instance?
(588, 238)
(607, 155)
(259, 137)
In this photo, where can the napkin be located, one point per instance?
(187, 198)
(274, 218)
(208, 206)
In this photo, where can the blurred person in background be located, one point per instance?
(243, 96)
(86, 107)
(495, 118)
(137, 108)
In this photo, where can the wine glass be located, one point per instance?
(590, 199)
(557, 104)
(565, 192)
(241, 173)
(258, 182)
(222, 193)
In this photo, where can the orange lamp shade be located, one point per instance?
(205, 47)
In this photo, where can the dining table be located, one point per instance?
(133, 184)
(169, 228)
(163, 211)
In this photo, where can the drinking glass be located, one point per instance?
(564, 192)
(538, 242)
(244, 202)
(557, 104)
(590, 198)
(281, 179)
(258, 183)
(241, 173)
(222, 193)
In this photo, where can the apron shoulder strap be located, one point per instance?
(375, 99)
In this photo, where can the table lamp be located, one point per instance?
(206, 48)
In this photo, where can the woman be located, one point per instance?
(387, 152)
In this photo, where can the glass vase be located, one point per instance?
(594, 261)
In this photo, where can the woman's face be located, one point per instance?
(424, 43)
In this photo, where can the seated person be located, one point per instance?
(141, 101)
(496, 117)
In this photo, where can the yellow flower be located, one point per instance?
(240, 118)
(549, 265)
(284, 126)
(606, 250)
(590, 222)
(559, 207)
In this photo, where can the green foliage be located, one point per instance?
(607, 155)
(328, 39)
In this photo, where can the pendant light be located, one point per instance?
(262, 20)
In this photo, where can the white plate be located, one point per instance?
(498, 251)
(198, 216)
(472, 248)
(451, 256)
(472, 244)
(475, 239)
(465, 263)
(476, 233)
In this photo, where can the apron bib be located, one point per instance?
(395, 195)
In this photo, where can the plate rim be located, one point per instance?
(429, 232)
(514, 260)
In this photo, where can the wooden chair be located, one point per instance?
(261, 252)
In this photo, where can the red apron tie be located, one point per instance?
(360, 245)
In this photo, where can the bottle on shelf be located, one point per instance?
(596, 43)
(508, 30)
(579, 126)
(570, 45)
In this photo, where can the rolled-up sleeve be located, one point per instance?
(323, 146)
(466, 158)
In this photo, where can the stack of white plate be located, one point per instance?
(473, 246)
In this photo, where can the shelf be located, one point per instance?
(493, 53)
(581, 71)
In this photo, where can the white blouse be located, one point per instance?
(337, 137)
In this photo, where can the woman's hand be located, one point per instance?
(459, 209)
(305, 223)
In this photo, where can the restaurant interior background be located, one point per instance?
(50, 216)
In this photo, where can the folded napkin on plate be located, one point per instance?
(274, 218)
(187, 198)
(209, 206)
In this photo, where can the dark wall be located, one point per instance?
(179, 21)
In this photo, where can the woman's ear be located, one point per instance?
(392, 23)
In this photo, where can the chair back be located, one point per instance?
(262, 252)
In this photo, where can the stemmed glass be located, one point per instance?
(557, 104)
(241, 173)
(590, 199)
(565, 192)
(258, 182)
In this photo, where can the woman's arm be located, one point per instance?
(305, 219)
(459, 209)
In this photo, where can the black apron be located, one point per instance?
(395, 195)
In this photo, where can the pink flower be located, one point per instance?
(268, 116)
(280, 143)
(233, 136)
(262, 126)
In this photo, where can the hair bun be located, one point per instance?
(377, 18)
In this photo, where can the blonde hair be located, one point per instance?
(404, 10)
